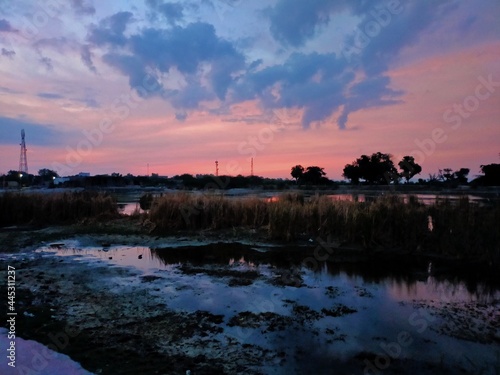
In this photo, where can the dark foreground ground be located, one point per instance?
(114, 320)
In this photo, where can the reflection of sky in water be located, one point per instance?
(384, 304)
(423, 198)
(349, 281)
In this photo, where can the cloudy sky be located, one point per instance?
(112, 86)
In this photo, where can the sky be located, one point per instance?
(170, 87)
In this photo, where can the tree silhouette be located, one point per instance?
(409, 167)
(491, 175)
(297, 172)
(47, 174)
(353, 173)
(12, 175)
(375, 169)
(445, 174)
(461, 175)
(314, 175)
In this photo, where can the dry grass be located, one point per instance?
(64, 208)
(186, 211)
(462, 228)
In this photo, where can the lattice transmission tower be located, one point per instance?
(23, 160)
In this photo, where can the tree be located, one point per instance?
(297, 172)
(409, 167)
(13, 175)
(353, 173)
(461, 175)
(314, 175)
(491, 175)
(47, 174)
(375, 169)
(446, 174)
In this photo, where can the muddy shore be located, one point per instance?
(115, 320)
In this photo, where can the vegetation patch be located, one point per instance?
(47, 209)
(463, 229)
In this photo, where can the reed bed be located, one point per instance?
(388, 222)
(59, 208)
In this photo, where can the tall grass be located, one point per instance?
(462, 228)
(63, 208)
(186, 211)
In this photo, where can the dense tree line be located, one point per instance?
(312, 175)
(379, 169)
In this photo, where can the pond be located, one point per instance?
(359, 317)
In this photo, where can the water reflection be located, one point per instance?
(404, 279)
(427, 199)
(129, 208)
(340, 310)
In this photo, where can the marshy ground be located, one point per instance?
(121, 298)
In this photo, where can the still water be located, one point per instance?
(371, 316)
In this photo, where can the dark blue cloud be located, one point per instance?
(82, 8)
(371, 92)
(110, 30)
(181, 116)
(86, 55)
(90, 102)
(134, 68)
(47, 63)
(5, 26)
(401, 31)
(36, 134)
(59, 44)
(190, 96)
(384, 29)
(319, 84)
(9, 91)
(49, 95)
(183, 47)
(295, 22)
(173, 12)
(8, 53)
(153, 52)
